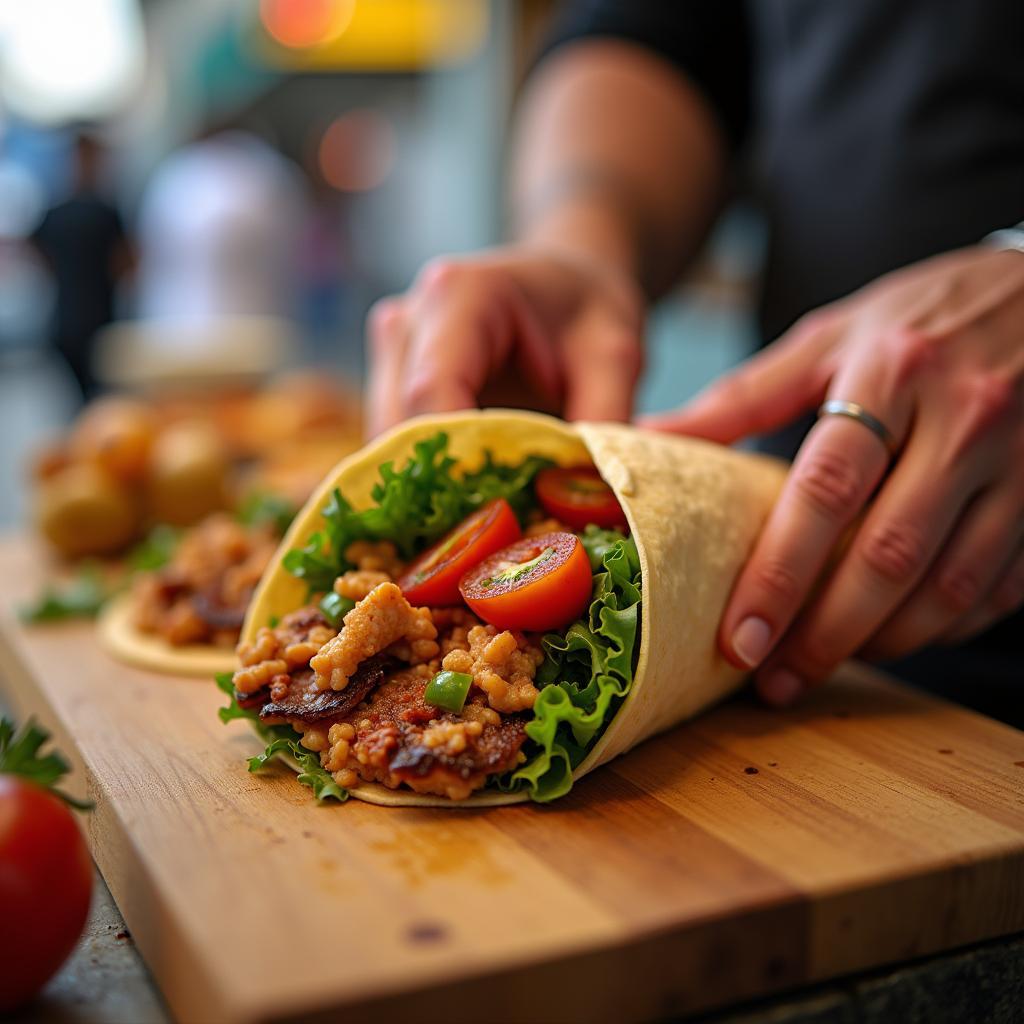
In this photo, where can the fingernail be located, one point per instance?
(780, 687)
(752, 640)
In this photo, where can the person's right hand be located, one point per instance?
(569, 326)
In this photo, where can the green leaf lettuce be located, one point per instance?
(587, 672)
(282, 741)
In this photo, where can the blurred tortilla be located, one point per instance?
(693, 507)
(121, 639)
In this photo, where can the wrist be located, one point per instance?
(589, 219)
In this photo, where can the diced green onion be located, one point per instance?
(447, 690)
(335, 608)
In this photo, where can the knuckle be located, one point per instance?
(894, 551)
(830, 482)
(983, 404)
(985, 399)
(777, 579)
(958, 588)
(442, 275)
(911, 350)
(383, 318)
(810, 326)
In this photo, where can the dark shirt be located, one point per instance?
(871, 134)
(80, 239)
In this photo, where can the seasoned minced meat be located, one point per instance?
(281, 649)
(357, 583)
(375, 556)
(201, 595)
(377, 726)
(383, 618)
(502, 665)
(395, 738)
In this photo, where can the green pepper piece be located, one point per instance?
(448, 690)
(335, 607)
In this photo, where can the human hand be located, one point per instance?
(570, 326)
(924, 547)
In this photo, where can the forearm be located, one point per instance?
(617, 158)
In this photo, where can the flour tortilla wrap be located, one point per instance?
(694, 509)
(122, 639)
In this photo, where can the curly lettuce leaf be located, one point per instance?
(413, 506)
(233, 709)
(587, 672)
(597, 542)
(280, 740)
(312, 774)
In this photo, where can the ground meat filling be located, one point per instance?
(201, 595)
(502, 665)
(396, 738)
(366, 718)
(375, 556)
(278, 651)
(381, 620)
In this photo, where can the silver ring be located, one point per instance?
(839, 407)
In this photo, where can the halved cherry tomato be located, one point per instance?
(433, 579)
(578, 496)
(538, 583)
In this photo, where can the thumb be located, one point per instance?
(763, 393)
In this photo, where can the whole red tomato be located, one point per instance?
(45, 886)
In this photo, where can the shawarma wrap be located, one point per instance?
(640, 657)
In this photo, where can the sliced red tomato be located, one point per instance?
(433, 579)
(538, 583)
(578, 496)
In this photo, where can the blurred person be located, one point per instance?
(83, 241)
(883, 143)
(219, 227)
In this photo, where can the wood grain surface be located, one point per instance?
(746, 852)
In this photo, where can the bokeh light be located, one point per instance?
(357, 151)
(70, 58)
(299, 24)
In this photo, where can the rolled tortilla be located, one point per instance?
(694, 509)
(122, 639)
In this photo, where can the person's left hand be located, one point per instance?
(926, 549)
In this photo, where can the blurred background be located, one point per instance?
(217, 190)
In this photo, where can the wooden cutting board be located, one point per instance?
(746, 852)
